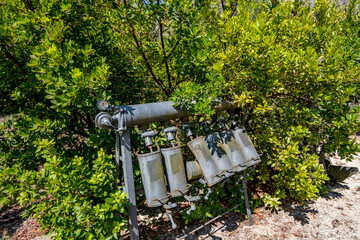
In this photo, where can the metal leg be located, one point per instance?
(129, 184)
(248, 211)
(117, 157)
(208, 193)
(173, 224)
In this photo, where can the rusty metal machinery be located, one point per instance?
(165, 174)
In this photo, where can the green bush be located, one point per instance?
(291, 69)
(294, 69)
(59, 60)
(78, 198)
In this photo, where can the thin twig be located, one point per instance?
(146, 60)
(180, 81)
(13, 59)
(163, 49)
(119, 31)
(176, 44)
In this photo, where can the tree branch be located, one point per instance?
(147, 63)
(222, 6)
(29, 5)
(164, 53)
(175, 46)
(234, 9)
(180, 81)
(118, 31)
(13, 59)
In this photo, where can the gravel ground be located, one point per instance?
(335, 216)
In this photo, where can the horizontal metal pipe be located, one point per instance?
(142, 114)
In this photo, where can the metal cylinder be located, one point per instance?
(202, 153)
(233, 151)
(153, 178)
(175, 170)
(221, 159)
(247, 147)
(193, 170)
(142, 114)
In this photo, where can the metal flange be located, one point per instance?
(103, 120)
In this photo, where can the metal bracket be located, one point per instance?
(202, 181)
(220, 121)
(187, 127)
(121, 119)
(205, 126)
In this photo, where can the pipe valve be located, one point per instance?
(170, 131)
(187, 128)
(148, 135)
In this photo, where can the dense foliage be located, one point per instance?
(291, 68)
(296, 69)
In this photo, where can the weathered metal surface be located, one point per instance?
(142, 114)
(210, 160)
(153, 178)
(193, 170)
(129, 184)
(103, 120)
(247, 147)
(233, 151)
(221, 159)
(175, 170)
(199, 148)
(147, 135)
(248, 210)
(212, 164)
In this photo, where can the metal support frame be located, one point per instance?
(130, 116)
(248, 210)
(129, 184)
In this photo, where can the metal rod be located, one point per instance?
(129, 184)
(151, 149)
(117, 158)
(248, 211)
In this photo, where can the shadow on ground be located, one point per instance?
(300, 213)
(10, 220)
(228, 223)
(332, 193)
(162, 229)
